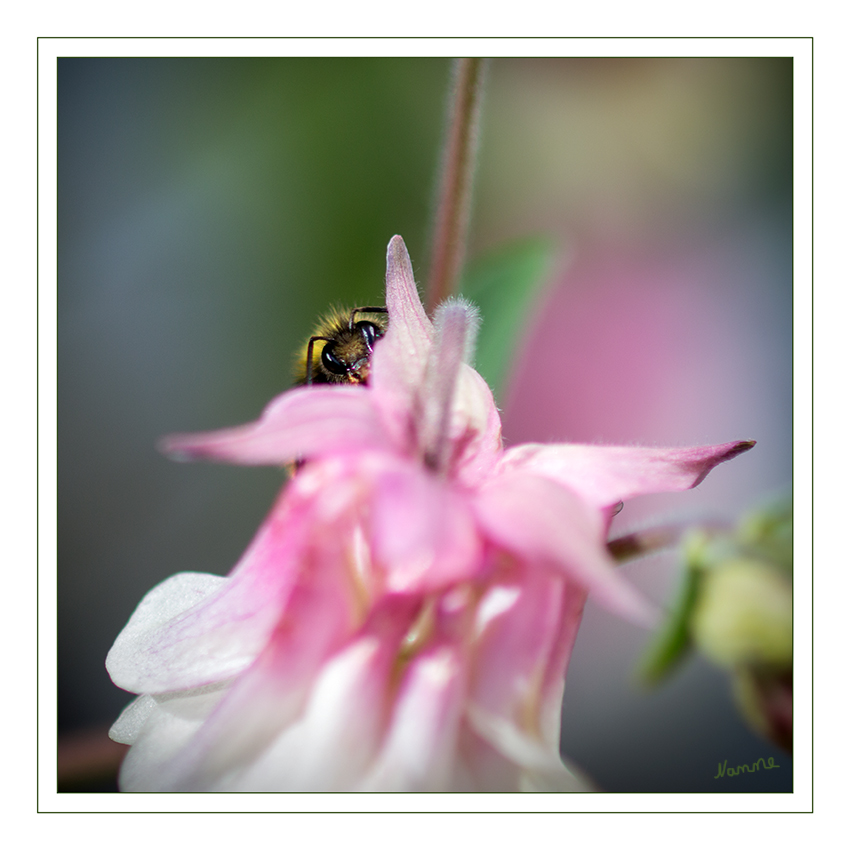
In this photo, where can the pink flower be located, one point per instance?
(404, 617)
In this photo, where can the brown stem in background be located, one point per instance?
(650, 540)
(641, 543)
(87, 759)
(458, 167)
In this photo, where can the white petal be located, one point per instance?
(542, 768)
(162, 728)
(167, 601)
(127, 728)
(333, 742)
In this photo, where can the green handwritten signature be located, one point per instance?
(722, 770)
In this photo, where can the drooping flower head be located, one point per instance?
(404, 617)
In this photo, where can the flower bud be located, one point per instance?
(743, 615)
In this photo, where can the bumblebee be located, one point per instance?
(347, 351)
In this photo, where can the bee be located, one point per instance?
(347, 351)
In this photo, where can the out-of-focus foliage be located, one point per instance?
(506, 285)
(735, 607)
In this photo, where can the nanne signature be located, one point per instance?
(722, 770)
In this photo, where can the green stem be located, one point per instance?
(458, 166)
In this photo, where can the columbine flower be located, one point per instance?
(404, 617)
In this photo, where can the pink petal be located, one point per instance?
(528, 622)
(475, 431)
(271, 694)
(605, 475)
(547, 524)
(552, 687)
(163, 648)
(170, 644)
(436, 396)
(514, 640)
(422, 532)
(297, 424)
(399, 359)
(330, 747)
(410, 329)
(420, 747)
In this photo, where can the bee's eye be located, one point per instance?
(369, 331)
(331, 362)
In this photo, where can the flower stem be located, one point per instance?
(458, 166)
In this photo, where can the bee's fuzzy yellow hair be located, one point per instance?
(330, 323)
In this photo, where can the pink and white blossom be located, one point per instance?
(404, 617)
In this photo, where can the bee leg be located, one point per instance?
(309, 370)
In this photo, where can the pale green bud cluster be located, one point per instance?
(736, 607)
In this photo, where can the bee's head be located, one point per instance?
(345, 358)
(341, 350)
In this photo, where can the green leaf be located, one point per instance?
(506, 285)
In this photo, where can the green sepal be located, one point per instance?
(672, 643)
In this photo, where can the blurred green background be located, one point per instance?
(211, 209)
